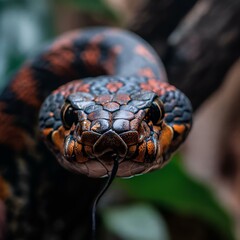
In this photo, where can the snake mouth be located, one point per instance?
(97, 160)
(104, 148)
(110, 145)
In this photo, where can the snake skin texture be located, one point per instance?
(91, 96)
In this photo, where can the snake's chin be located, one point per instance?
(97, 169)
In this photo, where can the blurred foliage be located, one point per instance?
(24, 26)
(173, 188)
(134, 222)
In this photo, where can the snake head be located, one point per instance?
(87, 132)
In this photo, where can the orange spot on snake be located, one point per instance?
(141, 50)
(165, 138)
(154, 83)
(146, 87)
(103, 99)
(147, 72)
(114, 86)
(156, 86)
(73, 86)
(122, 98)
(111, 106)
(179, 128)
(51, 114)
(25, 87)
(61, 62)
(91, 57)
(83, 88)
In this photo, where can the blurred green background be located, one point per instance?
(166, 204)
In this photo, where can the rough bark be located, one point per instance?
(157, 19)
(201, 49)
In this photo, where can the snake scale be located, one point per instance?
(92, 96)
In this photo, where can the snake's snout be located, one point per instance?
(110, 144)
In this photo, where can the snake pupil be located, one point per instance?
(156, 112)
(68, 116)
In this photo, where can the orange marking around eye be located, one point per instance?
(47, 131)
(131, 150)
(58, 137)
(114, 86)
(141, 50)
(25, 87)
(165, 138)
(179, 128)
(150, 148)
(141, 152)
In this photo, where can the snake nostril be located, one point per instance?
(110, 144)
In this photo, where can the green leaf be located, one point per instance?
(23, 29)
(135, 222)
(174, 189)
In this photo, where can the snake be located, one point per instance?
(93, 96)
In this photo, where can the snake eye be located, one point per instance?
(157, 111)
(68, 115)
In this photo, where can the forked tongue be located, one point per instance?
(110, 178)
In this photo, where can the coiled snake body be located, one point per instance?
(100, 93)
